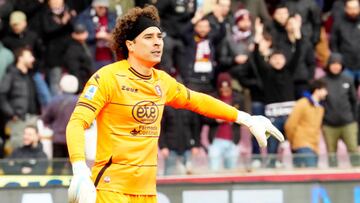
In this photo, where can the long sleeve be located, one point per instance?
(178, 96)
(94, 97)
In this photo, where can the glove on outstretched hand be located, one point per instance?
(260, 126)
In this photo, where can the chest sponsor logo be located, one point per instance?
(145, 130)
(145, 112)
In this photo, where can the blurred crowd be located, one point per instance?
(296, 62)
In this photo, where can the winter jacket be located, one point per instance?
(57, 115)
(303, 126)
(345, 39)
(237, 102)
(18, 94)
(78, 61)
(311, 18)
(27, 156)
(188, 56)
(175, 14)
(278, 84)
(341, 101)
(180, 130)
(87, 18)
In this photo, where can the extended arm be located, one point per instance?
(180, 97)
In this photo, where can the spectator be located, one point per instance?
(56, 26)
(310, 14)
(340, 111)
(198, 63)
(57, 115)
(249, 77)
(29, 159)
(21, 36)
(235, 50)
(303, 127)
(179, 140)
(257, 8)
(221, 14)
(31, 9)
(224, 136)
(277, 77)
(174, 15)
(99, 22)
(305, 69)
(345, 37)
(277, 27)
(18, 96)
(78, 59)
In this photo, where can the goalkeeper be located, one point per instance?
(127, 99)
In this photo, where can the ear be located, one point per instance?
(130, 45)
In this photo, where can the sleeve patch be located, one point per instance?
(90, 92)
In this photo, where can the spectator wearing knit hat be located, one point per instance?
(340, 111)
(238, 45)
(21, 36)
(224, 136)
(56, 116)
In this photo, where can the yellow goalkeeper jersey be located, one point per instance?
(128, 108)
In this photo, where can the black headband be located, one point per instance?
(140, 25)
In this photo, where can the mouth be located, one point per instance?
(156, 53)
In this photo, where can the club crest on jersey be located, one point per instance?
(158, 90)
(90, 92)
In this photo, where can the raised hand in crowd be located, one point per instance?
(259, 29)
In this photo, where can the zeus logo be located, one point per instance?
(145, 112)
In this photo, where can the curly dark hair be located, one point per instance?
(125, 24)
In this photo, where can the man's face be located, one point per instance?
(202, 28)
(225, 89)
(148, 46)
(80, 37)
(322, 93)
(335, 68)
(30, 136)
(19, 27)
(245, 23)
(27, 59)
(281, 15)
(277, 61)
(56, 4)
(352, 9)
(100, 10)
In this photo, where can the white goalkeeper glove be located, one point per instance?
(260, 126)
(82, 189)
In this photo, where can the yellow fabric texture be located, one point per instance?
(115, 197)
(128, 108)
(303, 127)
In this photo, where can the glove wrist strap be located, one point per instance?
(80, 168)
(244, 118)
